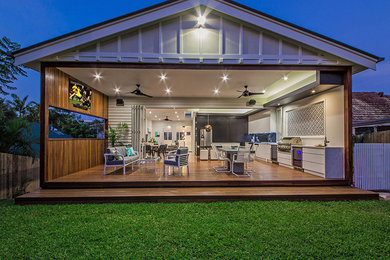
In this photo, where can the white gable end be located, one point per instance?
(169, 34)
(178, 40)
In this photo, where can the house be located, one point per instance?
(178, 69)
(370, 112)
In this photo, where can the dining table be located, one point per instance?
(230, 152)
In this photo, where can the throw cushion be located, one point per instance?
(117, 157)
(130, 151)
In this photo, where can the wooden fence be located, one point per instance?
(377, 137)
(15, 170)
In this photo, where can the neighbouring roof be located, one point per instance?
(50, 49)
(369, 107)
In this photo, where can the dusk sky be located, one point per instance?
(361, 23)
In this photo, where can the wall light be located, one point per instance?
(201, 20)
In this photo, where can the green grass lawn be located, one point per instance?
(197, 230)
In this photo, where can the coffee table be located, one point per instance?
(148, 163)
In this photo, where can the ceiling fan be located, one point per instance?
(138, 92)
(167, 119)
(247, 93)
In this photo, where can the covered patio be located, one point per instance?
(166, 75)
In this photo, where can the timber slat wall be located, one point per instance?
(69, 156)
(65, 156)
(13, 169)
(57, 83)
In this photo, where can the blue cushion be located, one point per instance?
(170, 162)
(130, 151)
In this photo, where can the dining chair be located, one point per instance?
(148, 150)
(219, 155)
(242, 156)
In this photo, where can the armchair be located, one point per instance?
(177, 159)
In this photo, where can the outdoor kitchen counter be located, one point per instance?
(316, 147)
(323, 161)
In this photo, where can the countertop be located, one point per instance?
(316, 147)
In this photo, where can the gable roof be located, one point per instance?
(370, 106)
(289, 30)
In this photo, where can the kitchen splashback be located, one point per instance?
(307, 121)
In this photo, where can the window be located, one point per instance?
(167, 135)
(67, 124)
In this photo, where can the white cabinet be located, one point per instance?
(263, 151)
(326, 162)
(285, 159)
(204, 155)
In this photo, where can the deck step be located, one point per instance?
(204, 194)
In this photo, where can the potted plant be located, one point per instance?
(114, 134)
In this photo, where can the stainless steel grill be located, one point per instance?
(287, 142)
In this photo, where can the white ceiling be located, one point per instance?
(175, 114)
(184, 83)
(161, 114)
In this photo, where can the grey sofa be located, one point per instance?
(112, 159)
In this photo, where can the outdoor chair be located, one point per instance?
(177, 160)
(242, 156)
(220, 158)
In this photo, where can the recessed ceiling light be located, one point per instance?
(150, 112)
(225, 77)
(163, 76)
(278, 104)
(97, 76)
(216, 91)
(116, 90)
(285, 77)
(313, 91)
(264, 91)
(168, 90)
(155, 116)
(201, 20)
(175, 112)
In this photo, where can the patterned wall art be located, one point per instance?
(307, 121)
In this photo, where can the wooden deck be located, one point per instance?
(201, 174)
(204, 194)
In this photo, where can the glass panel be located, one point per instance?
(67, 124)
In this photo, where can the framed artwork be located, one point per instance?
(157, 134)
(79, 95)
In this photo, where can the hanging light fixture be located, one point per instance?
(208, 127)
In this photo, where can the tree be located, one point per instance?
(33, 113)
(20, 105)
(8, 70)
(17, 138)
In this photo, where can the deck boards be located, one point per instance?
(200, 194)
(199, 171)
